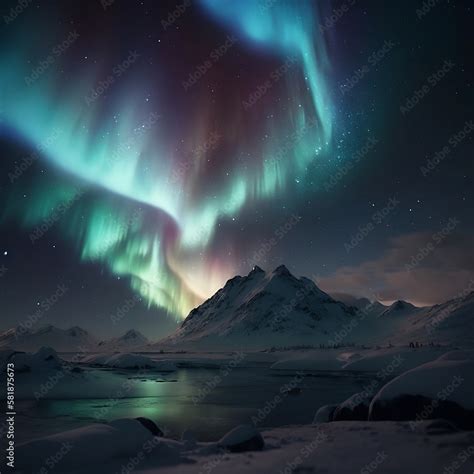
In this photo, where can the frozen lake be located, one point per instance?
(201, 400)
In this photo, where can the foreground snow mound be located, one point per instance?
(242, 438)
(125, 446)
(354, 408)
(128, 361)
(458, 355)
(438, 389)
(117, 442)
(325, 414)
(344, 448)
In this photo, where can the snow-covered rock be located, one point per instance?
(438, 389)
(86, 449)
(128, 361)
(150, 425)
(126, 446)
(242, 438)
(325, 414)
(355, 407)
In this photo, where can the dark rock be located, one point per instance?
(150, 426)
(325, 414)
(355, 408)
(436, 427)
(419, 408)
(23, 369)
(294, 391)
(242, 438)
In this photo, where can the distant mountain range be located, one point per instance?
(268, 309)
(64, 340)
(131, 340)
(74, 339)
(372, 308)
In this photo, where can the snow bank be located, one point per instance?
(458, 355)
(129, 361)
(397, 359)
(342, 448)
(451, 380)
(242, 438)
(355, 407)
(324, 414)
(126, 446)
(117, 442)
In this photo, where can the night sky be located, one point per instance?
(152, 150)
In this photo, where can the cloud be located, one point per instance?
(422, 267)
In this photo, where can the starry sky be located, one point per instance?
(152, 150)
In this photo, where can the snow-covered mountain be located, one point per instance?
(399, 308)
(264, 309)
(74, 339)
(451, 322)
(372, 308)
(131, 340)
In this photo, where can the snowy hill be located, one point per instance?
(372, 308)
(399, 308)
(131, 340)
(451, 322)
(264, 309)
(62, 340)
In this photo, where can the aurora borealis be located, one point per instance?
(167, 150)
(123, 148)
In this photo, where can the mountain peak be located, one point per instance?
(76, 330)
(256, 270)
(46, 328)
(275, 307)
(400, 304)
(399, 308)
(281, 270)
(133, 334)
